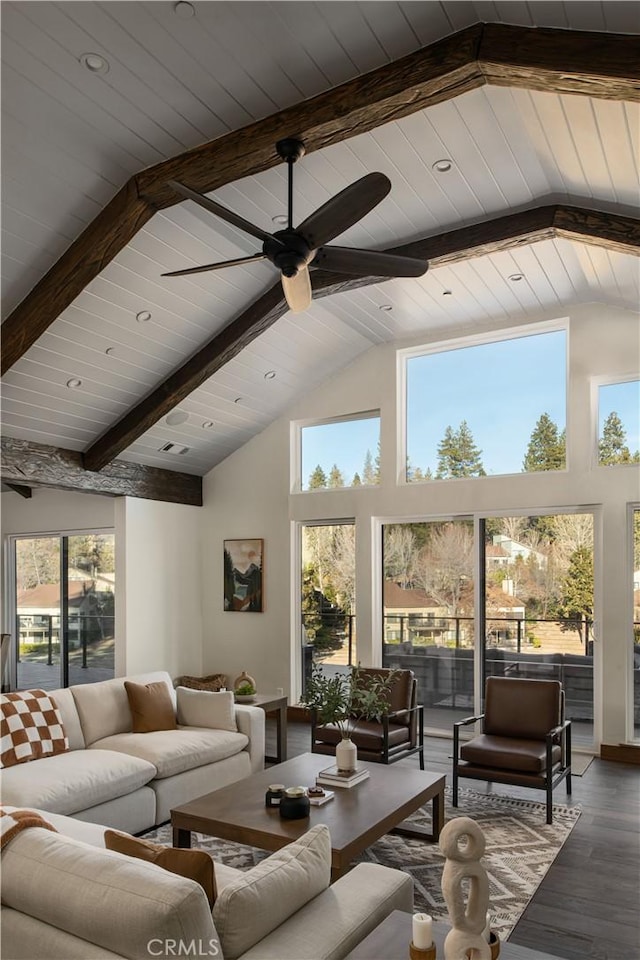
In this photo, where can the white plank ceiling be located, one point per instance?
(72, 138)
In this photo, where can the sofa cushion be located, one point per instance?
(116, 902)
(74, 781)
(151, 706)
(194, 864)
(203, 708)
(271, 892)
(70, 720)
(103, 707)
(174, 751)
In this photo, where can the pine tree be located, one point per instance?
(376, 466)
(446, 449)
(546, 450)
(336, 478)
(318, 479)
(368, 472)
(458, 455)
(356, 482)
(576, 602)
(417, 475)
(613, 442)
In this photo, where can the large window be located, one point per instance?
(341, 453)
(491, 408)
(65, 610)
(619, 423)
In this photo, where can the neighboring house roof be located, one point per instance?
(414, 599)
(47, 595)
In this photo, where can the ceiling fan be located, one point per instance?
(294, 250)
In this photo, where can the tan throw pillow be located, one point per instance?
(192, 864)
(203, 708)
(271, 892)
(151, 706)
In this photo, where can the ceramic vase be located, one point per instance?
(346, 756)
(244, 678)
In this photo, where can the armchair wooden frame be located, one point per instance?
(552, 775)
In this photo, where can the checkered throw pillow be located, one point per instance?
(30, 728)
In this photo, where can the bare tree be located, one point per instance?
(343, 566)
(400, 553)
(572, 531)
(445, 565)
(513, 527)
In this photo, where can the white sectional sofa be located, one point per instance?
(65, 897)
(130, 781)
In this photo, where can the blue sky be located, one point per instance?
(624, 398)
(345, 443)
(500, 389)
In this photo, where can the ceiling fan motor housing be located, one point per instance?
(291, 257)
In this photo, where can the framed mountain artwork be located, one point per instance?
(243, 575)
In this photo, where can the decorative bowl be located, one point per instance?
(247, 698)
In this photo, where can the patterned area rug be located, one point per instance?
(521, 847)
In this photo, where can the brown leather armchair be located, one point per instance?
(525, 742)
(399, 734)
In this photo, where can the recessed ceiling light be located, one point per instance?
(184, 10)
(143, 316)
(208, 424)
(515, 277)
(74, 383)
(270, 375)
(386, 307)
(280, 218)
(94, 62)
(446, 293)
(177, 418)
(110, 351)
(238, 400)
(442, 166)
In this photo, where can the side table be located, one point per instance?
(391, 938)
(273, 704)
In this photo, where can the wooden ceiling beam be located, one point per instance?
(599, 65)
(480, 239)
(39, 465)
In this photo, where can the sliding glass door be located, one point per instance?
(64, 609)
(428, 613)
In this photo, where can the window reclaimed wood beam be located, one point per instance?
(39, 465)
(601, 65)
(501, 233)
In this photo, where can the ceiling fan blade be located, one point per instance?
(297, 290)
(346, 208)
(368, 263)
(214, 207)
(215, 266)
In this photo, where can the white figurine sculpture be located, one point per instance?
(465, 939)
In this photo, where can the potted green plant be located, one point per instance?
(344, 699)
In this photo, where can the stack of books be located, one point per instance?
(332, 777)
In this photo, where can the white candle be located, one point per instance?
(422, 931)
(486, 933)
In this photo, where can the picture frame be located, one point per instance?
(243, 575)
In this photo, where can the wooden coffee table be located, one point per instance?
(356, 817)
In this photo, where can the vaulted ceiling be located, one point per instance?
(541, 129)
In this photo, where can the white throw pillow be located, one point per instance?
(262, 899)
(203, 708)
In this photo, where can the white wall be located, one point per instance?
(53, 510)
(158, 596)
(248, 496)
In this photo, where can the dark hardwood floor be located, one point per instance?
(588, 904)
